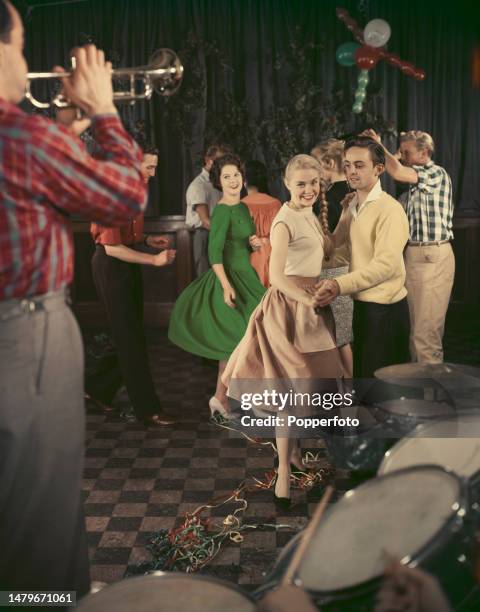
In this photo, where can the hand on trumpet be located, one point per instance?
(90, 85)
(71, 117)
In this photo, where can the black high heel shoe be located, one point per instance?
(282, 503)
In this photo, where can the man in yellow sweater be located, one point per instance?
(376, 233)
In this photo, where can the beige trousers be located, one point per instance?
(430, 273)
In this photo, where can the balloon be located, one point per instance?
(363, 77)
(345, 53)
(357, 107)
(366, 57)
(407, 68)
(341, 13)
(360, 95)
(376, 33)
(420, 74)
(358, 34)
(394, 60)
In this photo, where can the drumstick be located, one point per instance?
(305, 539)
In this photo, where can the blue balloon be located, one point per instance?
(345, 53)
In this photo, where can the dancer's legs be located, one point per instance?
(221, 389)
(285, 448)
(346, 357)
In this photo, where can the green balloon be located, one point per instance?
(357, 107)
(360, 95)
(345, 53)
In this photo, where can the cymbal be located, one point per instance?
(451, 375)
(410, 407)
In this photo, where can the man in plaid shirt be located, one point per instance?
(46, 175)
(429, 259)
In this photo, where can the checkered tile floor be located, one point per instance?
(137, 481)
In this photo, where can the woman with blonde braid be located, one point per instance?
(330, 157)
(289, 344)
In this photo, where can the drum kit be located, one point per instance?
(423, 508)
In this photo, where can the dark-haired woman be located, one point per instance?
(211, 315)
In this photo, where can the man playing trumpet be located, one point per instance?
(46, 175)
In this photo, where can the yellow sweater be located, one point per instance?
(377, 237)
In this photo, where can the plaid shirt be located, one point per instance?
(46, 175)
(429, 206)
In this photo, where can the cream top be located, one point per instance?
(377, 236)
(305, 248)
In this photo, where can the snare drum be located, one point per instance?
(448, 443)
(169, 592)
(416, 514)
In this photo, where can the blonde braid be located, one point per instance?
(323, 215)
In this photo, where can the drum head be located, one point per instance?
(168, 592)
(443, 443)
(398, 514)
(422, 375)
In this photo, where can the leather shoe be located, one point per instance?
(161, 419)
(100, 406)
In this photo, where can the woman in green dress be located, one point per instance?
(211, 315)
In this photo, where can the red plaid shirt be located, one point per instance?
(46, 174)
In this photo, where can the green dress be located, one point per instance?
(201, 323)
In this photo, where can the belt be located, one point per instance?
(431, 243)
(28, 305)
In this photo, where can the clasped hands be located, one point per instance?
(255, 242)
(324, 292)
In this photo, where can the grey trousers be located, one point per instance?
(200, 250)
(42, 427)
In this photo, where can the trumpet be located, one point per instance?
(163, 74)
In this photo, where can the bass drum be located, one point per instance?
(417, 515)
(168, 592)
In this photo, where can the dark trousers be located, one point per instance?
(380, 338)
(119, 287)
(42, 427)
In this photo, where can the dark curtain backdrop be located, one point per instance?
(253, 35)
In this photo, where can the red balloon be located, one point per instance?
(394, 60)
(341, 13)
(366, 57)
(420, 74)
(407, 68)
(358, 33)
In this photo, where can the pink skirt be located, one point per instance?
(286, 346)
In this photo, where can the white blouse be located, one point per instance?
(306, 244)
